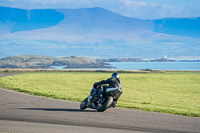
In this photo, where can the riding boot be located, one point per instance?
(114, 104)
(101, 92)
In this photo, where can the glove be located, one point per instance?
(95, 85)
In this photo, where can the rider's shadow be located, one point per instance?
(55, 109)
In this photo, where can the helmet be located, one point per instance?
(115, 75)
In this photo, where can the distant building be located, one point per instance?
(162, 59)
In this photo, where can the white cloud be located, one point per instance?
(154, 5)
(173, 11)
(47, 1)
(131, 3)
(152, 10)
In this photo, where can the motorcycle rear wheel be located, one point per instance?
(108, 102)
(83, 105)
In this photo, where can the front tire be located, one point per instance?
(108, 102)
(83, 105)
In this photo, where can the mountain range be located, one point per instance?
(95, 32)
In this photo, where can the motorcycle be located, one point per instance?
(101, 103)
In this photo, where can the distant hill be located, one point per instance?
(178, 26)
(86, 20)
(36, 61)
(14, 20)
(95, 32)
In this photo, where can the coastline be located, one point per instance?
(11, 71)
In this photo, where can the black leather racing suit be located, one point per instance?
(113, 83)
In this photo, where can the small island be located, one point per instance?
(38, 62)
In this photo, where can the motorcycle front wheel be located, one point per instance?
(83, 105)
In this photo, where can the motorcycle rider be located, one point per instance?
(114, 82)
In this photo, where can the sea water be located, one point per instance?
(190, 66)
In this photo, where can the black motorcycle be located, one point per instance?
(108, 99)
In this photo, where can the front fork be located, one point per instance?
(90, 103)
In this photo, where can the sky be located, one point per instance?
(142, 9)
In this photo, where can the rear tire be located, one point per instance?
(83, 105)
(108, 103)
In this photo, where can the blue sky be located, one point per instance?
(143, 9)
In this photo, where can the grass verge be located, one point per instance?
(171, 92)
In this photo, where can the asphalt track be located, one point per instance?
(26, 113)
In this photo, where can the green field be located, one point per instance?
(171, 92)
